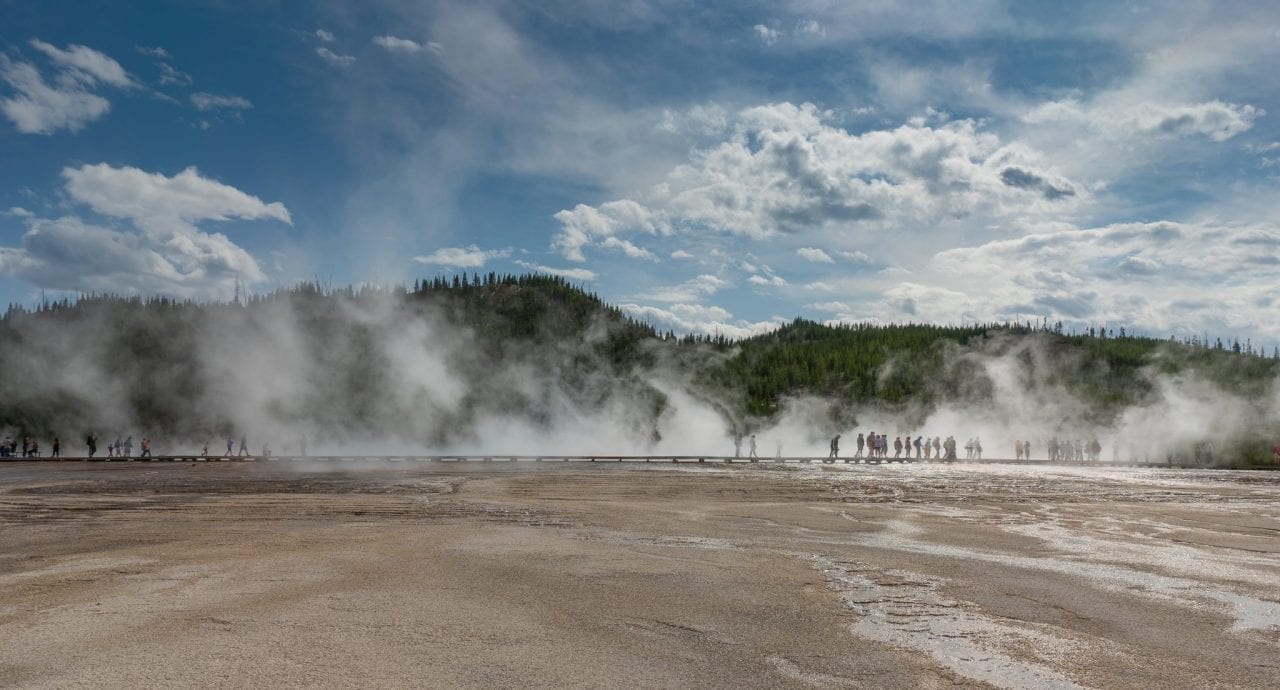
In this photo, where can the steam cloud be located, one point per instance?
(380, 372)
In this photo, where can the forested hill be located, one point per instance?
(913, 363)
(434, 361)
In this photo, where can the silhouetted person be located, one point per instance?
(26, 446)
(92, 441)
(861, 444)
(204, 452)
(230, 444)
(244, 446)
(753, 446)
(57, 448)
(128, 447)
(835, 447)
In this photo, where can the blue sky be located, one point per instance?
(713, 167)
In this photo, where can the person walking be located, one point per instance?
(57, 448)
(753, 446)
(861, 444)
(146, 448)
(835, 447)
(91, 440)
(244, 446)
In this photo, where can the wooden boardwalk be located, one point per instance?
(706, 459)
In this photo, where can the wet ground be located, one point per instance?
(407, 574)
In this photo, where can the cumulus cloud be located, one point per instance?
(164, 252)
(785, 171)
(769, 281)
(570, 273)
(70, 102)
(696, 318)
(208, 101)
(585, 225)
(334, 58)
(323, 35)
(154, 200)
(463, 257)
(1162, 276)
(404, 45)
(815, 255)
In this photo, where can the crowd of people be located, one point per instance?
(1079, 451)
(30, 448)
(876, 446)
(123, 447)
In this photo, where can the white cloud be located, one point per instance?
(696, 318)
(810, 27)
(681, 254)
(1213, 119)
(18, 212)
(815, 255)
(1161, 276)
(571, 273)
(587, 225)
(627, 248)
(208, 101)
(164, 253)
(85, 64)
(404, 45)
(37, 107)
(856, 257)
(463, 257)
(767, 35)
(152, 199)
(785, 172)
(689, 291)
(334, 58)
(769, 281)
(700, 119)
(153, 51)
(171, 76)
(323, 35)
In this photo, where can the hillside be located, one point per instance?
(455, 362)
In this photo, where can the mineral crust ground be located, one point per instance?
(636, 575)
